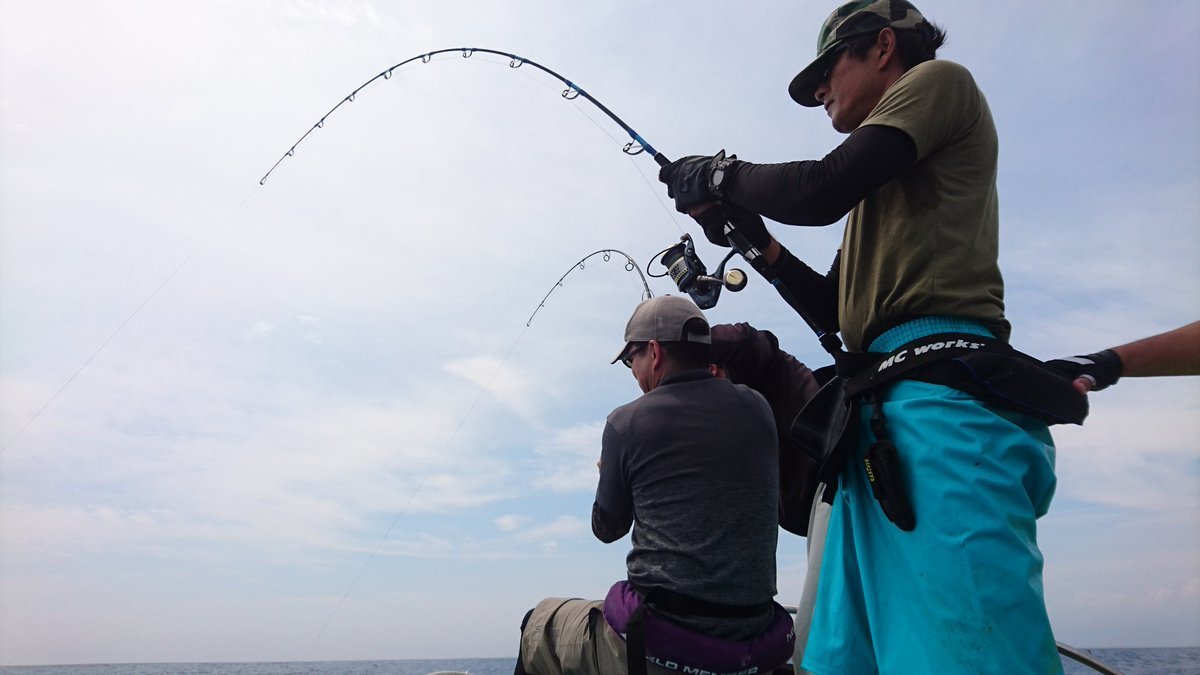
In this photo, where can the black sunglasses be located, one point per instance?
(831, 61)
(627, 359)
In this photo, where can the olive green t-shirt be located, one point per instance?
(927, 242)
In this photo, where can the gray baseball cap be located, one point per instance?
(663, 319)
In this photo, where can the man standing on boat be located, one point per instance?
(692, 466)
(942, 573)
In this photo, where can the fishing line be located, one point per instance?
(636, 146)
(630, 265)
(420, 483)
(672, 214)
(654, 189)
(129, 318)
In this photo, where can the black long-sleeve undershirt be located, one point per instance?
(816, 193)
(813, 295)
(608, 526)
(820, 192)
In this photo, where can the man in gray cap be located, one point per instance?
(692, 466)
(931, 560)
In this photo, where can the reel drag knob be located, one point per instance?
(735, 280)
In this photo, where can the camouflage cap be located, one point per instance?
(850, 20)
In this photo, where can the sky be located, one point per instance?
(307, 420)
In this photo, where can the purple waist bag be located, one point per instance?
(675, 647)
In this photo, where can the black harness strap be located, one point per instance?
(666, 600)
(869, 371)
(981, 366)
(635, 642)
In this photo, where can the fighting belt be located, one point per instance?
(983, 367)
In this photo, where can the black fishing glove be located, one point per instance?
(749, 223)
(696, 179)
(1102, 368)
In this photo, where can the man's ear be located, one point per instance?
(886, 43)
(656, 353)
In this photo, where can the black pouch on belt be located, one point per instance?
(883, 472)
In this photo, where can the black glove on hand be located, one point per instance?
(749, 223)
(690, 180)
(713, 222)
(1102, 368)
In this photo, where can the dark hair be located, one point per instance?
(686, 355)
(913, 45)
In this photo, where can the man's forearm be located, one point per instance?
(1175, 352)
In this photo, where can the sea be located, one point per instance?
(1146, 661)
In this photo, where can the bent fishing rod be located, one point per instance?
(630, 266)
(634, 147)
(684, 266)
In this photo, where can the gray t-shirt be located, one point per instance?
(693, 464)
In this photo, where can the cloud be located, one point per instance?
(320, 12)
(504, 384)
(260, 329)
(567, 460)
(562, 527)
(277, 468)
(509, 522)
(1136, 450)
